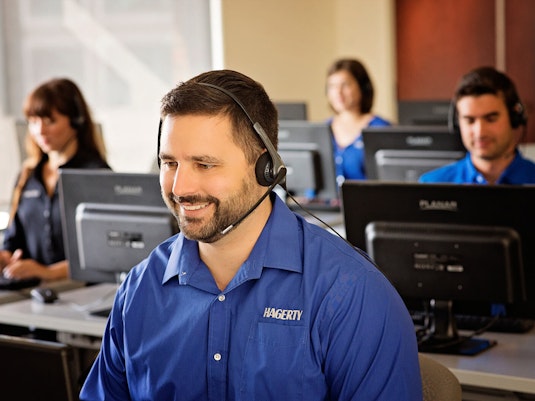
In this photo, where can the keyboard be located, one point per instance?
(316, 205)
(101, 312)
(504, 324)
(17, 284)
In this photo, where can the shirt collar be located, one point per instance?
(474, 176)
(279, 247)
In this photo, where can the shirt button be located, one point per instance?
(221, 297)
(217, 356)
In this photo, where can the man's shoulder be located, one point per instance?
(527, 163)
(522, 171)
(329, 251)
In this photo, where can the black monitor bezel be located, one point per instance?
(413, 138)
(484, 205)
(316, 134)
(104, 187)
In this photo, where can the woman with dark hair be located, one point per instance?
(350, 95)
(61, 134)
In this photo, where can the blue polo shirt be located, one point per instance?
(305, 318)
(520, 171)
(350, 161)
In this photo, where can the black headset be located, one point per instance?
(78, 120)
(269, 164)
(269, 168)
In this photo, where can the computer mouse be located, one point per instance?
(44, 295)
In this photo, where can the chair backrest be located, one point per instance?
(438, 382)
(35, 369)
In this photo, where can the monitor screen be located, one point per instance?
(292, 110)
(424, 112)
(307, 150)
(403, 153)
(111, 221)
(459, 246)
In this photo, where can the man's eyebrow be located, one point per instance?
(165, 156)
(198, 158)
(205, 159)
(492, 114)
(487, 115)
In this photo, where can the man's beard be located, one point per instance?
(227, 212)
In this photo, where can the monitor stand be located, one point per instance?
(441, 335)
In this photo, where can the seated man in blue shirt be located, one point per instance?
(491, 120)
(248, 301)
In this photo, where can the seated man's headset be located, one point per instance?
(269, 168)
(515, 108)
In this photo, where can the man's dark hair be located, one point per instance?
(488, 80)
(190, 98)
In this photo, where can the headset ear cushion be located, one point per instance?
(453, 119)
(264, 170)
(77, 122)
(517, 115)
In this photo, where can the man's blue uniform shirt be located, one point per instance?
(520, 171)
(305, 318)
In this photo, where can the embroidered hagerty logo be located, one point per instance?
(282, 314)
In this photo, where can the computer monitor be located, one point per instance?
(403, 153)
(21, 131)
(292, 110)
(111, 221)
(424, 112)
(448, 245)
(307, 150)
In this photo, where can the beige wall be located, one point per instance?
(287, 45)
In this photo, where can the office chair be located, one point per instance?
(438, 382)
(37, 370)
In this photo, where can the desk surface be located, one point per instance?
(509, 365)
(7, 296)
(69, 314)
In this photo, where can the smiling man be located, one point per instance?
(249, 301)
(491, 120)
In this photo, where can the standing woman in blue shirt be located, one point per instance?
(61, 134)
(350, 95)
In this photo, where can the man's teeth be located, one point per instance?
(194, 207)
